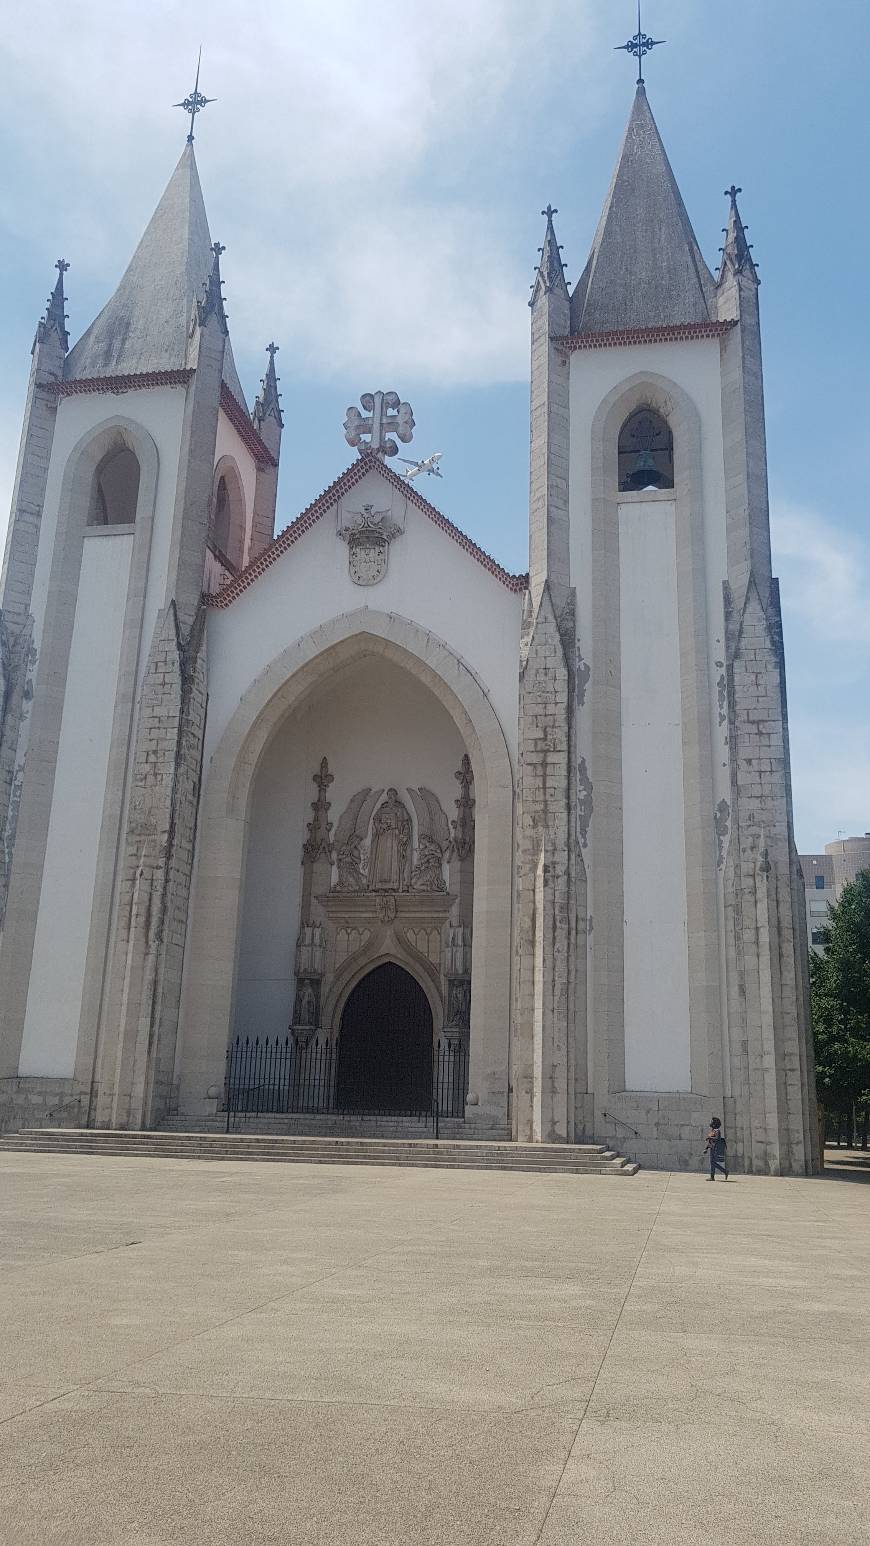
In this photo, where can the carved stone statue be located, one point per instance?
(350, 836)
(433, 840)
(459, 1004)
(428, 872)
(390, 853)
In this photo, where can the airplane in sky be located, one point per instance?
(429, 464)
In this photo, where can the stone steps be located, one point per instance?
(443, 1154)
(327, 1126)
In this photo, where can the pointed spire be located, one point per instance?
(645, 268)
(212, 303)
(146, 324)
(269, 400)
(55, 316)
(737, 252)
(551, 269)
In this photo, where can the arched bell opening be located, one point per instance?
(385, 1044)
(646, 452)
(115, 490)
(228, 517)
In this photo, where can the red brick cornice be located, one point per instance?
(621, 337)
(327, 500)
(161, 378)
(146, 378)
(240, 422)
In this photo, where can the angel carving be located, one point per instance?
(433, 841)
(350, 835)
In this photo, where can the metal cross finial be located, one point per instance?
(196, 101)
(61, 265)
(639, 46)
(272, 349)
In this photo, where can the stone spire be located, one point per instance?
(551, 269)
(146, 324)
(212, 303)
(737, 252)
(55, 317)
(268, 403)
(645, 268)
(269, 423)
(549, 439)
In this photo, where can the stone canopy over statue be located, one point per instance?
(390, 854)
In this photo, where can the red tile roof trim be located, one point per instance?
(147, 378)
(620, 338)
(325, 501)
(240, 422)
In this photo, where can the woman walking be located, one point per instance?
(716, 1148)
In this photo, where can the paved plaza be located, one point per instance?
(249, 1353)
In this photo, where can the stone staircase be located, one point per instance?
(441, 1154)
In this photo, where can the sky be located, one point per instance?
(376, 175)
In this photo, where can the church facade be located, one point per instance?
(356, 791)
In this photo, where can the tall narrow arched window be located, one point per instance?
(646, 452)
(228, 515)
(116, 490)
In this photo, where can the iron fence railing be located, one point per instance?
(275, 1076)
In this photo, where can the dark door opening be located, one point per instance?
(385, 1045)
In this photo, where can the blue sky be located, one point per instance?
(377, 176)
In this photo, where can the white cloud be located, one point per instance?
(825, 572)
(357, 165)
(825, 580)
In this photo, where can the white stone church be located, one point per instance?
(356, 790)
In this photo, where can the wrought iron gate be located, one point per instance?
(280, 1077)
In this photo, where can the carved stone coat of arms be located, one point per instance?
(368, 537)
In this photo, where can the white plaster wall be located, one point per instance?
(430, 580)
(656, 963)
(695, 366)
(160, 411)
(57, 974)
(230, 443)
(377, 726)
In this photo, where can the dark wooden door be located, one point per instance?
(385, 1046)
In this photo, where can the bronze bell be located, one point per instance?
(645, 474)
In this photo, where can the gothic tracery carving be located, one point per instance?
(463, 825)
(319, 840)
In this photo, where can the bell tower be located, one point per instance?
(661, 962)
(103, 677)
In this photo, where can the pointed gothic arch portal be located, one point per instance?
(385, 1045)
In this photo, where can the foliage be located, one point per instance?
(840, 992)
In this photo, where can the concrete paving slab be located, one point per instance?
(300, 1355)
(194, 1469)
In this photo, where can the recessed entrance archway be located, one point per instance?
(385, 1044)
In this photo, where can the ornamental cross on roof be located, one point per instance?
(196, 101)
(639, 46)
(384, 416)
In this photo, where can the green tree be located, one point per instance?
(840, 991)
